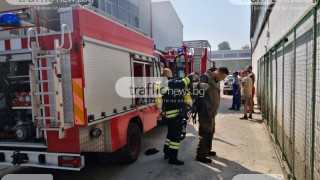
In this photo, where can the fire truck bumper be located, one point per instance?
(39, 159)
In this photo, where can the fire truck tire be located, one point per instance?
(133, 147)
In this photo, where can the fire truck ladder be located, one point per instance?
(46, 85)
(197, 56)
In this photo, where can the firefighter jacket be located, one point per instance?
(173, 101)
(211, 100)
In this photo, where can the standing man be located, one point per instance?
(253, 78)
(240, 76)
(246, 95)
(173, 104)
(208, 111)
(236, 93)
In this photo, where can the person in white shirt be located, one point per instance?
(253, 77)
(246, 95)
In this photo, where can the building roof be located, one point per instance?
(232, 50)
(197, 43)
(231, 59)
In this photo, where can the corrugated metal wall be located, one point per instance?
(289, 95)
(287, 101)
(317, 106)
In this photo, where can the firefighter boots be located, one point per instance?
(212, 153)
(176, 162)
(203, 159)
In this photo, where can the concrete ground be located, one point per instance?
(242, 146)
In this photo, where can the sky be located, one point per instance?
(215, 21)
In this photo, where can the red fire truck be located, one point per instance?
(193, 56)
(57, 89)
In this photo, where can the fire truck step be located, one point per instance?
(43, 93)
(20, 59)
(41, 69)
(12, 77)
(46, 105)
(44, 81)
(41, 118)
(50, 129)
(18, 51)
(45, 56)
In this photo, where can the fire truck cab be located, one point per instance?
(193, 56)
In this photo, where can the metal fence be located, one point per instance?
(289, 95)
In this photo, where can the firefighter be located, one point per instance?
(173, 105)
(207, 112)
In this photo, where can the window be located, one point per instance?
(108, 6)
(245, 55)
(115, 10)
(101, 5)
(158, 71)
(216, 56)
(133, 20)
(125, 10)
(114, 1)
(179, 70)
(230, 55)
(133, 6)
(124, 4)
(123, 15)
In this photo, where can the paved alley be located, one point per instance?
(242, 146)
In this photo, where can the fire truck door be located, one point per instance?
(143, 71)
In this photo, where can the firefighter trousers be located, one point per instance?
(172, 142)
(206, 132)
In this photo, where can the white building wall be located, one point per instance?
(282, 18)
(167, 28)
(145, 16)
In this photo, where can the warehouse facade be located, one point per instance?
(285, 52)
(234, 60)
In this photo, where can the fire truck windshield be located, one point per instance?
(179, 70)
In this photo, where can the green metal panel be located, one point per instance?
(274, 114)
(266, 88)
(283, 42)
(314, 71)
(271, 92)
(294, 96)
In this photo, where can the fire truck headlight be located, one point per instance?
(27, 99)
(21, 99)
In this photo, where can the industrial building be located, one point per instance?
(167, 28)
(285, 56)
(234, 60)
(144, 16)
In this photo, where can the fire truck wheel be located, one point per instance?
(132, 149)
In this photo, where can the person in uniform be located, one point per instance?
(208, 111)
(236, 100)
(173, 105)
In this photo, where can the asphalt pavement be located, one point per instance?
(242, 146)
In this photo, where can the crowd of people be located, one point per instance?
(206, 107)
(243, 91)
